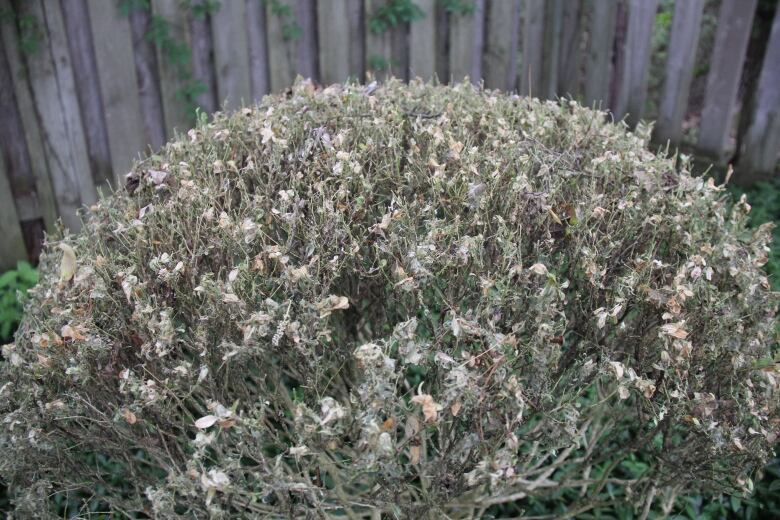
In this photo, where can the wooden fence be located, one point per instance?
(88, 85)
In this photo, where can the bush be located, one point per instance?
(19, 279)
(400, 300)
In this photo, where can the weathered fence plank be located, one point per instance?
(636, 61)
(379, 46)
(686, 24)
(28, 137)
(334, 38)
(552, 47)
(231, 54)
(422, 40)
(171, 72)
(82, 54)
(282, 53)
(532, 78)
(149, 95)
(308, 55)
(257, 40)
(728, 56)
(13, 147)
(13, 248)
(57, 108)
(760, 145)
(467, 38)
(500, 58)
(599, 55)
(570, 60)
(118, 85)
(202, 57)
(340, 35)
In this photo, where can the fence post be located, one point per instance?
(728, 57)
(761, 143)
(686, 25)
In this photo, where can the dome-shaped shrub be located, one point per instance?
(407, 301)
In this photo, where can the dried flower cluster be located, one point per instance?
(406, 300)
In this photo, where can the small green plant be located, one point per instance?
(11, 283)
(392, 14)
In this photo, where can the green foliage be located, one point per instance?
(392, 14)
(378, 62)
(462, 7)
(11, 283)
(176, 52)
(200, 10)
(27, 25)
(764, 198)
(409, 301)
(291, 30)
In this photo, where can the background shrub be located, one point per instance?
(11, 282)
(417, 300)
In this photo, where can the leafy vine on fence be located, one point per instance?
(28, 27)
(176, 52)
(291, 30)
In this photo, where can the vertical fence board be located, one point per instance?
(761, 143)
(13, 248)
(500, 59)
(340, 40)
(379, 46)
(552, 47)
(82, 57)
(334, 41)
(679, 69)
(257, 39)
(149, 95)
(357, 35)
(202, 59)
(57, 108)
(467, 38)
(282, 53)
(118, 84)
(599, 55)
(308, 56)
(636, 61)
(728, 56)
(13, 147)
(171, 78)
(422, 40)
(531, 80)
(231, 54)
(570, 61)
(30, 132)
